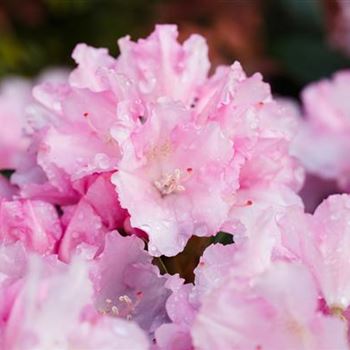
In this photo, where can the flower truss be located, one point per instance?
(110, 169)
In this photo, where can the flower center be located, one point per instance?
(170, 183)
(122, 307)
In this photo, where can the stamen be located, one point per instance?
(123, 307)
(125, 298)
(169, 183)
(115, 310)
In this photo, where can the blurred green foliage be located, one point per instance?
(45, 32)
(297, 39)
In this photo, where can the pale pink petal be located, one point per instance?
(277, 312)
(127, 285)
(321, 241)
(35, 223)
(89, 61)
(160, 66)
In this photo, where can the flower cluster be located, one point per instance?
(119, 162)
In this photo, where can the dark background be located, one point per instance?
(292, 42)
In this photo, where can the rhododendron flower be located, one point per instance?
(56, 298)
(173, 136)
(257, 246)
(327, 111)
(229, 135)
(124, 159)
(171, 164)
(150, 68)
(279, 311)
(6, 189)
(15, 104)
(321, 242)
(15, 94)
(126, 283)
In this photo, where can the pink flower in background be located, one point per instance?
(57, 298)
(326, 103)
(279, 311)
(15, 94)
(322, 145)
(15, 104)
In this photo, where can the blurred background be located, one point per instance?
(292, 42)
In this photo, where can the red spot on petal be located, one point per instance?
(189, 170)
(86, 114)
(249, 202)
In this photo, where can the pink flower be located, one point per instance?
(327, 111)
(257, 246)
(326, 102)
(173, 137)
(260, 128)
(57, 298)
(76, 125)
(35, 223)
(66, 118)
(172, 164)
(230, 140)
(127, 285)
(279, 311)
(321, 242)
(15, 94)
(15, 104)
